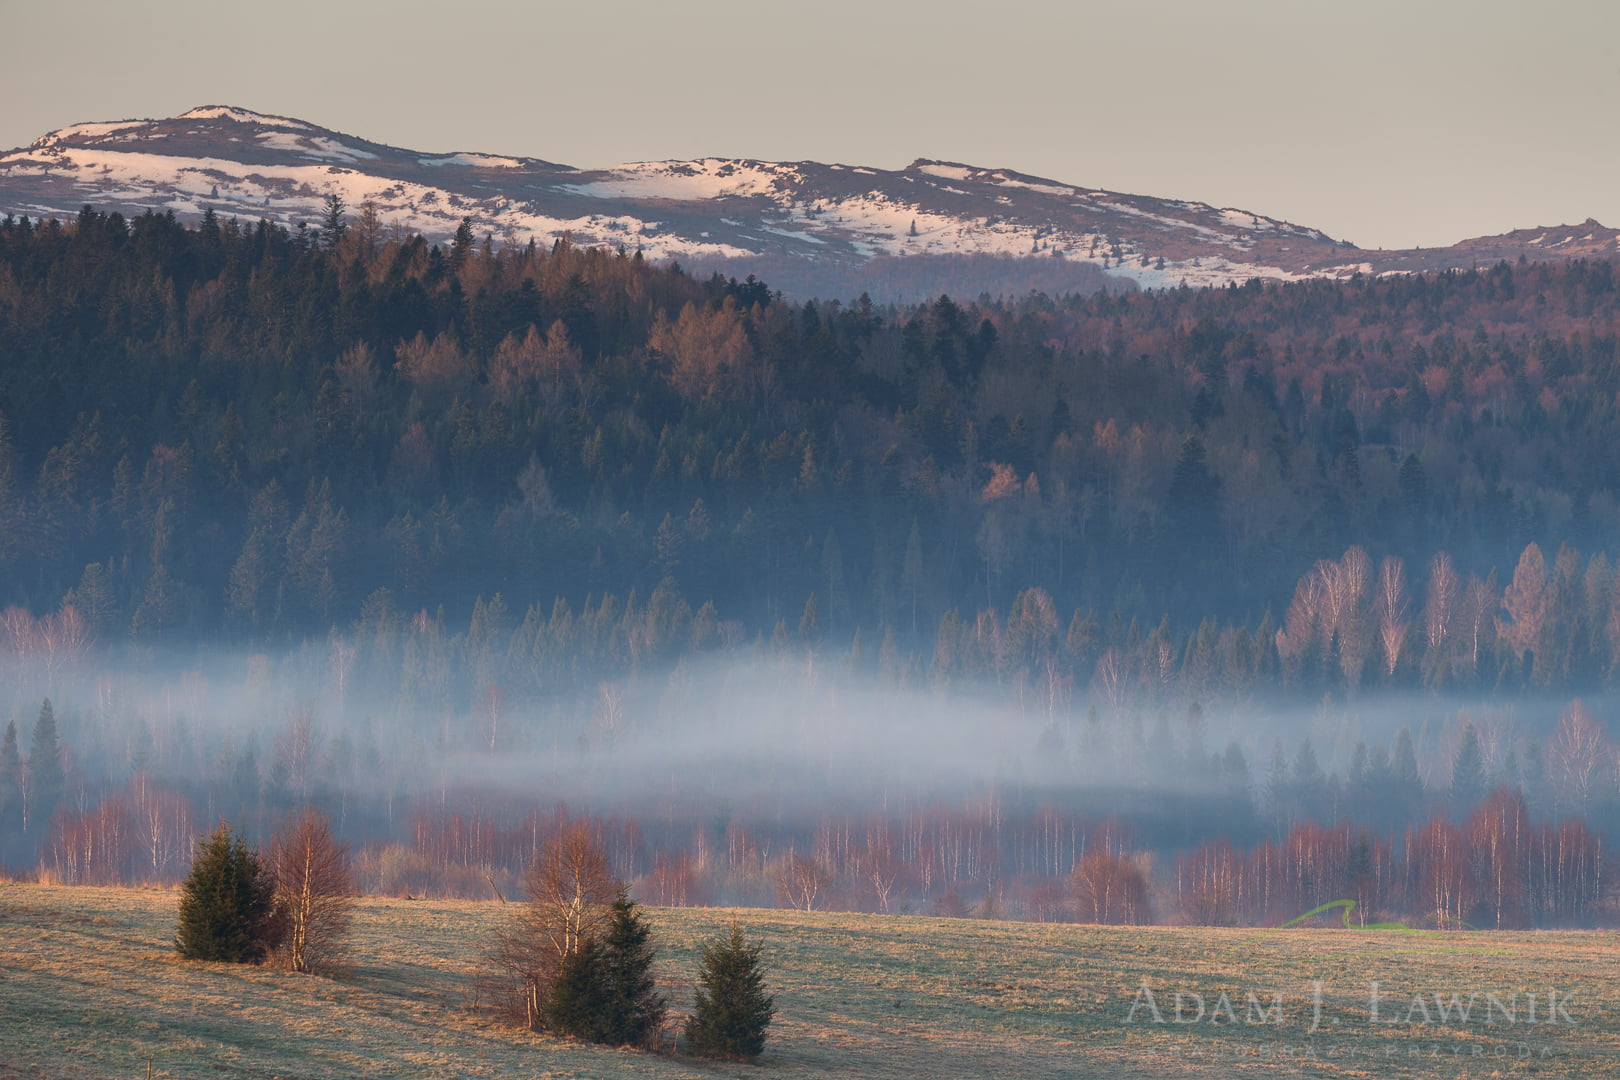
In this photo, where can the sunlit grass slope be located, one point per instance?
(90, 987)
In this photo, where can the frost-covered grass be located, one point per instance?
(90, 987)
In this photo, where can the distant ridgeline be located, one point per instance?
(562, 463)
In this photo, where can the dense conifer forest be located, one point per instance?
(475, 481)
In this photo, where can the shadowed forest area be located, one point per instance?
(1204, 606)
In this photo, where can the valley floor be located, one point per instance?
(90, 987)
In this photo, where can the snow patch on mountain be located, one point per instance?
(89, 131)
(709, 178)
(947, 172)
(1045, 189)
(314, 146)
(473, 161)
(243, 116)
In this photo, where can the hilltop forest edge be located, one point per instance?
(466, 504)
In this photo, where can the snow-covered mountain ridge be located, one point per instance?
(805, 226)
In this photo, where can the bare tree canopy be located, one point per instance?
(570, 890)
(314, 891)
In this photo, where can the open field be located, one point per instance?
(90, 987)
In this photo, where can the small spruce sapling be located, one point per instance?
(731, 1010)
(227, 906)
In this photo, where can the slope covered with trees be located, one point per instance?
(236, 429)
(504, 500)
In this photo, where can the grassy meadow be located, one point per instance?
(90, 987)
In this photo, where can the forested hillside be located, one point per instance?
(258, 435)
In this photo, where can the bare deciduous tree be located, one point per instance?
(1526, 602)
(1440, 609)
(1301, 623)
(1110, 678)
(799, 880)
(883, 869)
(1575, 754)
(570, 889)
(19, 632)
(610, 711)
(1478, 599)
(341, 664)
(1348, 583)
(165, 833)
(1109, 888)
(1391, 603)
(62, 640)
(314, 891)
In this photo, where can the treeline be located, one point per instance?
(241, 431)
(1351, 626)
(1495, 867)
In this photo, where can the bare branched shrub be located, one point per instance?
(314, 891)
(569, 891)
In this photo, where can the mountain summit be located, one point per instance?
(806, 227)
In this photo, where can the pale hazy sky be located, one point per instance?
(1389, 123)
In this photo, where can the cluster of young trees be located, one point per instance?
(576, 961)
(578, 958)
(290, 905)
(1548, 625)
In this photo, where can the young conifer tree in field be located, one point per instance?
(227, 905)
(314, 891)
(633, 1010)
(577, 1003)
(730, 1009)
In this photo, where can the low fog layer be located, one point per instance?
(784, 776)
(786, 733)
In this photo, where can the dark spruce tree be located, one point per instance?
(604, 992)
(1468, 779)
(333, 222)
(634, 1008)
(10, 778)
(730, 1009)
(44, 769)
(578, 1003)
(227, 904)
